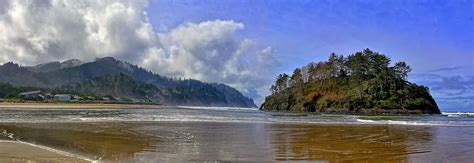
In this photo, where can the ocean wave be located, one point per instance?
(416, 123)
(458, 114)
(220, 114)
(366, 121)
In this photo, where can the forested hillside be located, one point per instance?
(364, 82)
(111, 77)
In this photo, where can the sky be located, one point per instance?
(246, 43)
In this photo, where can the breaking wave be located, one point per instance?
(219, 114)
(458, 114)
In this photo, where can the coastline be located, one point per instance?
(360, 112)
(13, 151)
(6, 105)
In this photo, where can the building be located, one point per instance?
(32, 95)
(76, 98)
(48, 96)
(63, 97)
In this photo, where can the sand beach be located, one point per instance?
(15, 151)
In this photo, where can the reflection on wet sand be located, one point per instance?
(342, 143)
(213, 141)
(111, 141)
(210, 142)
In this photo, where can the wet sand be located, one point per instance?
(261, 142)
(13, 151)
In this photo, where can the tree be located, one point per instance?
(358, 65)
(311, 72)
(284, 81)
(402, 70)
(358, 68)
(281, 83)
(378, 63)
(296, 78)
(337, 65)
(273, 89)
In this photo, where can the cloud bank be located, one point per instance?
(33, 32)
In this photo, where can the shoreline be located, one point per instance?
(7, 105)
(24, 151)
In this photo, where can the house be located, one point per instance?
(32, 95)
(48, 96)
(76, 97)
(63, 97)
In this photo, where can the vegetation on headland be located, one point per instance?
(361, 83)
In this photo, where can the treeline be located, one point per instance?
(186, 92)
(12, 92)
(361, 82)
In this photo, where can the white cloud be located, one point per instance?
(33, 32)
(36, 31)
(209, 51)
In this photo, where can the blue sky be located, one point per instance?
(435, 37)
(245, 44)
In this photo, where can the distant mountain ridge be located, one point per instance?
(118, 78)
(52, 66)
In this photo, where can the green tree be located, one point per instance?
(281, 83)
(273, 89)
(296, 78)
(402, 70)
(311, 72)
(336, 63)
(358, 65)
(378, 63)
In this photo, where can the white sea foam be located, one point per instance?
(411, 123)
(458, 114)
(365, 121)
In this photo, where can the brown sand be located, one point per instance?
(254, 142)
(12, 151)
